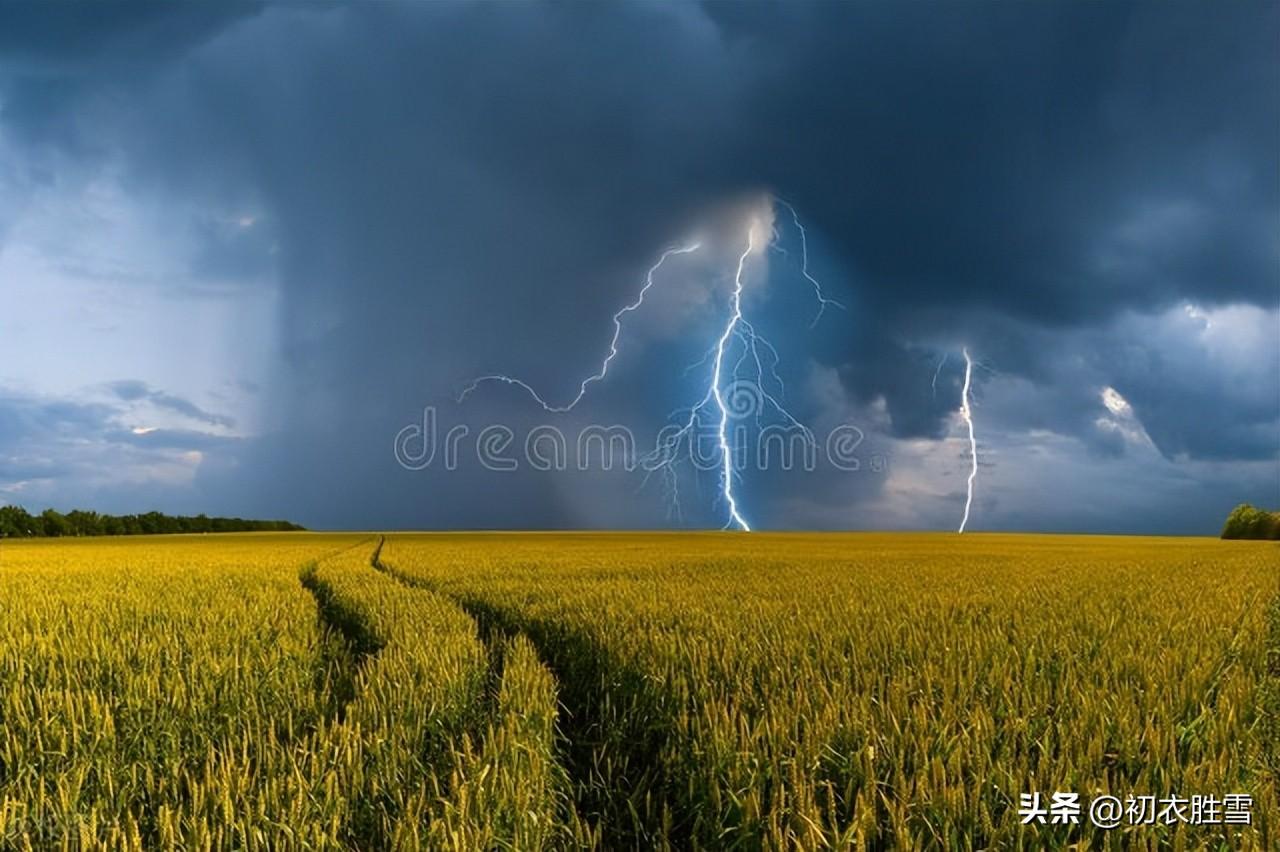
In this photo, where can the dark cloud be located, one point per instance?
(52, 58)
(1051, 161)
(132, 390)
(23, 416)
(87, 34)
(455, 189)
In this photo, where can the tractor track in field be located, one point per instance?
(581, 726)
(494, 646)
(346, 647)
(349, 646)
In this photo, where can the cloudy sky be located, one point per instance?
(242, 247)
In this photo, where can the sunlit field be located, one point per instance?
(563, 691)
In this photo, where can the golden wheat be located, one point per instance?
(835, 691)
(309, 691)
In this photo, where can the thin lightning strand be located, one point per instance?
(726, 454)
(967, 413)
(823, 301)
(941, 363)
(613, 346)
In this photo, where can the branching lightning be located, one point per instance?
(757, 358)
(764, 377)
(823, 301)
(604, 366)
(966, 411)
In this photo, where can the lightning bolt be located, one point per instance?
(604, 366)
(737, 329)
(755, 352)
(942, 362)
(823, 301)
(726, 474)
(966, 412)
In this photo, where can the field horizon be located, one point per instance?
(950, 535)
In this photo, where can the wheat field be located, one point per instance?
(619, 691)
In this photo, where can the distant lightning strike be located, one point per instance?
(666, 455)
(726, 455)
(966, 411)
(668, 452)
(604, 366)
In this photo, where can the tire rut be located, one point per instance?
(494, 643)
(345, 646)
(624, 822)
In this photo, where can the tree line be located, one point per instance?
(16, 522)
(1247, 521)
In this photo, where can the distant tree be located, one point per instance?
(16, 522)
(1246, 521)
(84, 523)
(55, 523)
